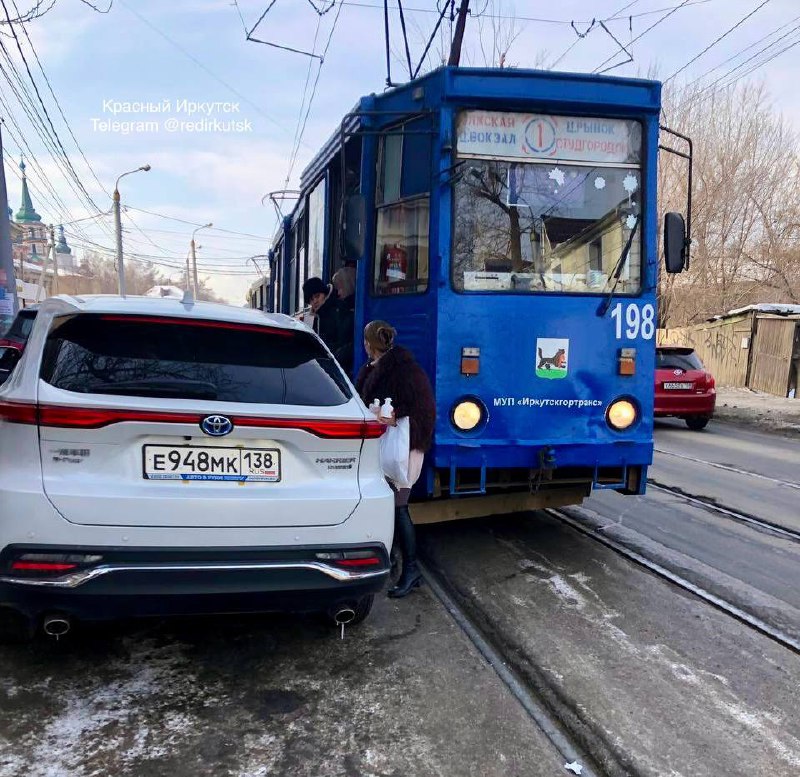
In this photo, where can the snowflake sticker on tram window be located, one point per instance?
(599, 182)
(630, 184)
(552, 357)
(630, 221)
(556, 175)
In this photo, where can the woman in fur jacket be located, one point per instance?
(391, 371)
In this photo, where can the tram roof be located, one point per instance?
(498, 88)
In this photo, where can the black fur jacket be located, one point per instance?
(397, 375)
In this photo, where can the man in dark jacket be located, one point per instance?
(324, 304)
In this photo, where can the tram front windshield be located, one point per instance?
(547, 204)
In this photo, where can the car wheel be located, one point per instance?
(15, 628)
(696, 424)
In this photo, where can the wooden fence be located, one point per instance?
(772, 355)
(750, 350)
(723, 346)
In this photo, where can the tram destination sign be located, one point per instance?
(501, 135)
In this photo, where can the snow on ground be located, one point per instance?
(755, 408)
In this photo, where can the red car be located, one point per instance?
(684, 388)
(16, 336)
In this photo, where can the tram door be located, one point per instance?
(400, 271)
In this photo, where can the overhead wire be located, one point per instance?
(56, 138)
(243, 97)
(517, 17)
(748, 48)
(313, 92)
(591, 25)
(303, 99)
(713, 88)
(19, 91)
(716, 41)
(655, 24)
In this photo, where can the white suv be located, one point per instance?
(166, 457)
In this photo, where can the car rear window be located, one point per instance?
(678, 360)
(21, 327)
(191, 359)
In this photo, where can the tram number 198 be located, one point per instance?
(637, 322)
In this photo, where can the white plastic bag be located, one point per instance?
(395, 449)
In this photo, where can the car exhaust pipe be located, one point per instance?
(343, 616)
(55, 625)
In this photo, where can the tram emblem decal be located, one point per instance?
(552, 357)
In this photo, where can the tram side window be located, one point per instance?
(316, 229)
(401, 264)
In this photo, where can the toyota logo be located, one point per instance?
(216, 425)
(679, 371)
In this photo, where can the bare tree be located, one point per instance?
(99, 276)
(746, 209)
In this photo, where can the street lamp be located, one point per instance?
(195, 284)
(118, 227)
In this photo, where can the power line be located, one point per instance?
(55, 99)
(194, 223)
(717, 40)
(205, 69)
(516, 17)
(581, 35)
(640, 36)
(747, 48)
(303, 99)
(710, 91)
(44, 108)
(313, 93)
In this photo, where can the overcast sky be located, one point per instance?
(195, 51)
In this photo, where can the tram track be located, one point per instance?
(739, 614)
(713, 506)
(729, 468)
(502, 661)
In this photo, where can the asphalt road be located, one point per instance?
(403, 694)
(647, 679)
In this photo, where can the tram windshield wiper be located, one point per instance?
(602, 308)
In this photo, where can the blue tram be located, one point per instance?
(504, 221)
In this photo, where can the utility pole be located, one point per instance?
(458, 36)
(43, 271)
(118, 228)
(195, 282)
(118, 233)
(55, 259)
(9, 304)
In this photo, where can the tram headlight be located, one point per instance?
(467, 414)
(621, 414)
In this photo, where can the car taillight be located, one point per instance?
(19, 412)
(33, 564)
(98, 417)
(41, 566)
(351, 558)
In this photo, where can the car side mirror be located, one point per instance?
(355, 227)
(9, 357)
(674, 243)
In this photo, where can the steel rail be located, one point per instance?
(547, 723)
(759, 523)
(729, 468)
(715, 601)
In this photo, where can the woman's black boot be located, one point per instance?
(405, 537)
